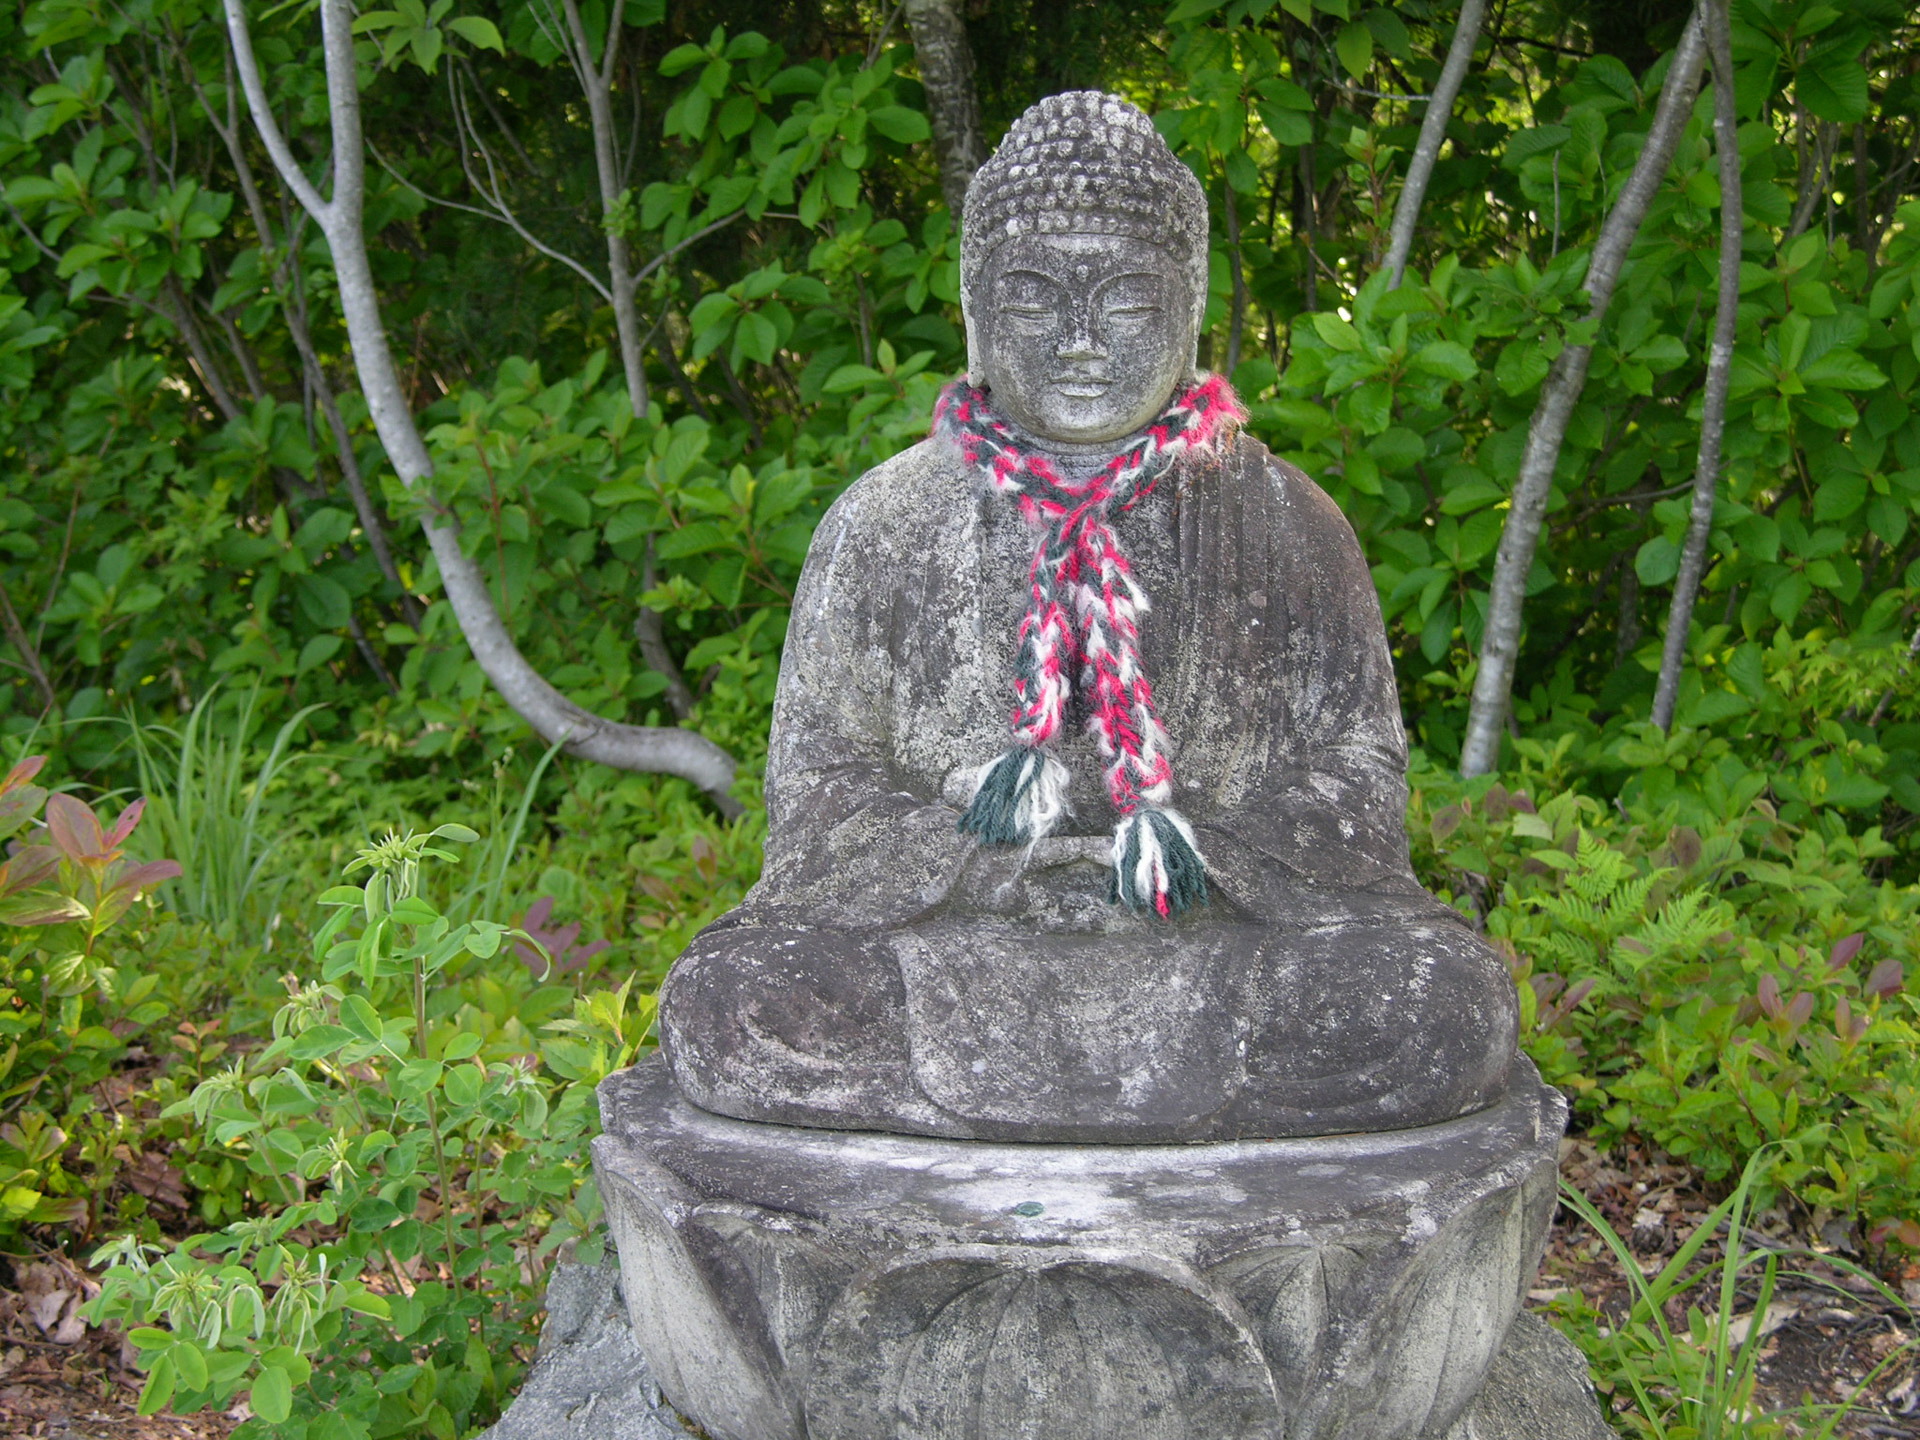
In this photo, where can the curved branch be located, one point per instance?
(681, 244)
(270, 133)
(500, 216)
(554, 718)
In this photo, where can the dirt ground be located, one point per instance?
(1825, 1330)
(63, 1380)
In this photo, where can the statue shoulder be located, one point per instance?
(1311, 517)
(900, 496)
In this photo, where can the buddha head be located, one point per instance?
(1083, 270)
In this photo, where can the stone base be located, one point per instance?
(592, 1383)
(791, 1284)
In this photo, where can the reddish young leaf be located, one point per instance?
(145, 877)
(75, 830)
(22, 773)
(123, 827)
(1886, 979)
(27, 868)
(1844, 949)
(1770, 996)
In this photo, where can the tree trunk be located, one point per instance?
(946, 72)
(1433, 133)
(553, 717)
(1713, 411)
(1500, 646)
(597, 82)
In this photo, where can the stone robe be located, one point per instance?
(890, 973)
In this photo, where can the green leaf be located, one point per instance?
(190, 1363)
(1336, 332)
(1446, 358)
(897, 122)
(477, 31)
(318, 1040)
(694, 539)
(316, 652)
(755, 337)
(1658, 561)
(1522, 365)
(272, 1395)
(463, 1085)
(1833, 86)
(1354, 45)
(361, 1018)
(158, 1390)
(681, 59)
(1843, 370)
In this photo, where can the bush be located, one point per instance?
(414, 1137)
(1716, 990)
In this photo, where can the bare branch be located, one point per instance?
(1713, 413)
(681, 244)
(1500, 644)
(672, 751)
(1433, 134)
(270, 133)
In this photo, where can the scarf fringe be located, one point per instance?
(1019, 798)
(1157, 863)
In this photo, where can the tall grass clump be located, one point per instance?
(207, 789)
(1697, 1380)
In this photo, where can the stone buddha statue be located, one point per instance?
(1170, 899)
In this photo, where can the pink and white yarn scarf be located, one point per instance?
(1084, 616)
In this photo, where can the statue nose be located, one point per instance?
(1081, 341)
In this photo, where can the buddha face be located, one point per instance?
(1085, 336)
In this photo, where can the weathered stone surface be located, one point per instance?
(890, 973)
(592, 1384)
(1538, 1389)
(801, 1284)
(590, 1381)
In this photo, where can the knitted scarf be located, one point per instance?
(1084, 613)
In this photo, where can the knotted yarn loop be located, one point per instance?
(1082, 625)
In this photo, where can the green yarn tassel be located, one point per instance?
(1157, 864)
(1020, 798)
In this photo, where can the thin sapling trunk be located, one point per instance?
(1559, 394)
(1713, 412)
(1433, 134)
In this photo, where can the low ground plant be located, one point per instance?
(1683, 1362)
(413, 1136)
(73, 998)
(1718, 992)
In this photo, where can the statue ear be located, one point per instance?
(976, 346)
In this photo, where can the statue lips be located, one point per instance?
(1081, 387)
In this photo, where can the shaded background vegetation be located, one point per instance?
(1712, 923)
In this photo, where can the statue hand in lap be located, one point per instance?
(1170, 897)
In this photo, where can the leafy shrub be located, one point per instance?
(1717, 991)
(414, 1149)
(68, 1000)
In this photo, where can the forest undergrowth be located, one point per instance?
(312, 950)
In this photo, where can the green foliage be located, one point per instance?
(405, 1074)
(1721, 992)
(1713, 927)
(68, 999)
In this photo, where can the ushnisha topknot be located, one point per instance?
(1085, 162)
